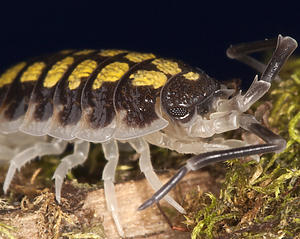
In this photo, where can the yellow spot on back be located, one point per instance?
(33, 72)
(154, 78)
(112, 52)
(83, 52)
(57, 71)
(110, 73)
(191, 76)
(10, 74)
(167, 66)
(139, 57)
(84, 69)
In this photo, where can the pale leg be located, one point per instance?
(195, 147)
(80, 154)
(111, 153)
(57, 146)
(12, 144)
(6, 153)
(142, 147)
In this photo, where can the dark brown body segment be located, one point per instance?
(17, 98)
(16, 103)
(137, 101)
(69, 100)
(43, 96)
(3, 93)
(14, 98)
(7, 80)
(99, 103)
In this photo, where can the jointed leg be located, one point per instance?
(142, 147)
(7, 150)
(6, 153)
(55, 147)
(111, 153)
(274, 143)
(81, 150)
(160, 139)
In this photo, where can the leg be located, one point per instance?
(285, 47)
(12, 144)
(142, 147)
(274, 143)
(162, 140)
(81, 150)
(6, 153)
(57, 146)
(111, 153)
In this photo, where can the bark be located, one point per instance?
(84, 211)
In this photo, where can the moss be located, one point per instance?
(6, 230)
(95, 231)
(259, 200)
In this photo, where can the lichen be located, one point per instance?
(259, 200)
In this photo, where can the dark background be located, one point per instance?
(197, 32)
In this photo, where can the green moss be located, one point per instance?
(5, 231)
(92, 232)
(259, 199)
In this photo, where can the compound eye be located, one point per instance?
(180, 113)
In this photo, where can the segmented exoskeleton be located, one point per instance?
(140, 98)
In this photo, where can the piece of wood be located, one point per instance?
(92, 210)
